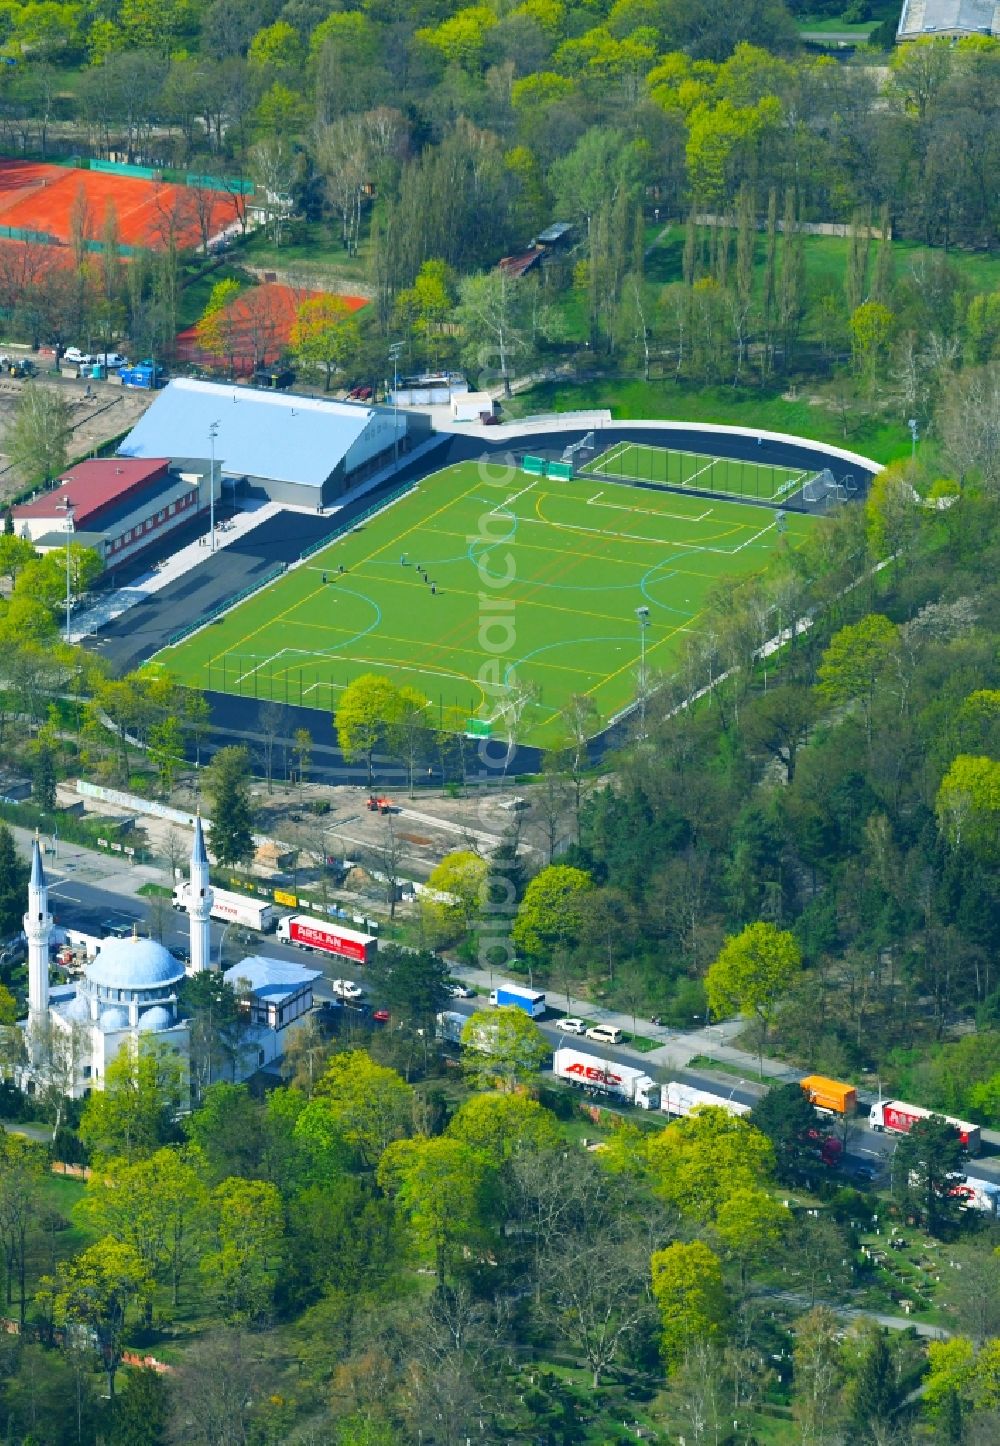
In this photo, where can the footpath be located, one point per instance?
(65, 861)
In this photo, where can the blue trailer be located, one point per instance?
(530, 1000)
(145, 376)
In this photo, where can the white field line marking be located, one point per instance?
(750, 540)
(502, 505)
(651, 511)
(262, 664)
(694, 477)
(601, 464)
(380, 663)
(638, 537)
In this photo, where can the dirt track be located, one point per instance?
(109, 411)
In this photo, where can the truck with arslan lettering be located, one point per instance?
(621, 1083)
(896, 1117)
(681, 1100)
(325, 938)
(228, 908)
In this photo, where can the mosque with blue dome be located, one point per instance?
(128, 994)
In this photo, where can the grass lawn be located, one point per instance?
(641, 1043)
(826, 264)
(535, 579)
(833, 24)
(311, 247)
(59, 1241)
(196, 288)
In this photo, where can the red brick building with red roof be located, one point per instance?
(120, 506)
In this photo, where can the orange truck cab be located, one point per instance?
(830, 1096)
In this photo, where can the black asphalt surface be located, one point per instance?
(144, 630)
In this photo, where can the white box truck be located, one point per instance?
(681, 1100)
(228, 908)
(619, 1082)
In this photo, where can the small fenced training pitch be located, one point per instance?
(721, 476)
(483, 579)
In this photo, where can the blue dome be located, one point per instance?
(134, 964)
(156, 1018)
(114, 1019)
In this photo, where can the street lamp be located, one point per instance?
(642, 613)
(914, 436)
(213, 432)
(222, 941)
(394, 350)
(68, 507)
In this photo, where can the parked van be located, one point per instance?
(605, 1033)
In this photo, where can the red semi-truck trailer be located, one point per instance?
(898, 1118)
(327, 938)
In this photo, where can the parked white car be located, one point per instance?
(347, 989)
(571, 1025)
(605, 1033)
(76, 357)
(112, 360)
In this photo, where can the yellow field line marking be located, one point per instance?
(681, 628)
(393, 542)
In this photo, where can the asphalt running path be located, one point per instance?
(855, 1313)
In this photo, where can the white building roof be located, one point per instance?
(949, 17)
(259, 433)
(271, 979)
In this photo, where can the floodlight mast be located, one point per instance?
(642, 614)
(68, 507)
(213, 432)
(394, 350)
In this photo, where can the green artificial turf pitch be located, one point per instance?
(536, 582)
(725, 476)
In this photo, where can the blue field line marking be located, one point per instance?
(348, 642)
(656, 568)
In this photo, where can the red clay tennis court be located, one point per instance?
(262, 318)
(39, 197)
